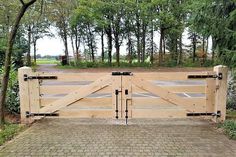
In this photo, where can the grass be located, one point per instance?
(84, 65)
(231, 114)
(9, 131)
(47, 61)
(229, 127)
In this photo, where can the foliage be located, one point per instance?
(231, 93)
(13, 100)
(9, 131)
(123, 64)
(229, 127)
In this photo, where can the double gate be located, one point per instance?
(123, 95)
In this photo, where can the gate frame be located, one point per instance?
(216, 92)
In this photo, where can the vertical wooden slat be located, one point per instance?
(126, 85)
(116, 85)
(221, 92)
(210, 94)
(24, 93)
(34, 95)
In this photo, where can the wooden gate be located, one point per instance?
(123, 95)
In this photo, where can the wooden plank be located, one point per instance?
(34, 95)
(167, 76)
(177, 89)
(199, 103)
(82, 102)
(159, 113)
(163, 93)
(75, 76)
(126, 97)
(116, 85)
(65, 89)
(77, 95)
(24, 93)
(102, 113)
(210, 94)
(221, 92)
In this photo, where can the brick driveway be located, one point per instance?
(99, 137)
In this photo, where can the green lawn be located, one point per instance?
(47, 61)
(229, 127)
(231, 114)
(9, 131)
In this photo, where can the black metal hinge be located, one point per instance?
(218, 114)
(219, 76)
(117, 73)
(29, 114)
(26, 77)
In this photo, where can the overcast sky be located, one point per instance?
(54, 45)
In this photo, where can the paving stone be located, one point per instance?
(102, 137)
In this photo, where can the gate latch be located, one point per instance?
(219, 76)
(26, 77)
(29, 114)
(118, 73)
(218, 114)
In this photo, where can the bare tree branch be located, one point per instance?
(30, 3)
(22, 2)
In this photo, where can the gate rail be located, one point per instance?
(121, 86)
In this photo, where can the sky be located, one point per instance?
(54, 45)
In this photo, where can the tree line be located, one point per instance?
(135, 23)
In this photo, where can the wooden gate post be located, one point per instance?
(221, 91)
(24, 93)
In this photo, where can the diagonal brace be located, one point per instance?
(162, 92)
(77, 95)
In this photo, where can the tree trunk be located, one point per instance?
(138, 40)
(91, 43)
(8, 54)
(109, 40)
(72, 46)
(29, 45)
(152, 44)
(180, 55)
(203, 50)
(213, 50)
(102, 42)
(160, 47)
(194, 46)
(117, 45)
(130, 48)
(35, 50)
(144, 27)
(138, 32)
(164, 48)
(65, 44)
(77, 45)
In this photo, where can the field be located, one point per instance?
(47, 61)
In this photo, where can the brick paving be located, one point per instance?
(100, 137)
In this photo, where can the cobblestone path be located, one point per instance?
(100, 137)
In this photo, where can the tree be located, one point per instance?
(118, 27)
(8, 55)
(59, 13)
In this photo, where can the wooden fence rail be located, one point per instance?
(142, 95)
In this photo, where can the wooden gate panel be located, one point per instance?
(146, 97)
(117, 96)
(77, 95)
(127, 96)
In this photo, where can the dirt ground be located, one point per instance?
(54, 68)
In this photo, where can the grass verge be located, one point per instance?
(229, 127)
(231, 114)
(9, 131)
(47, 61)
